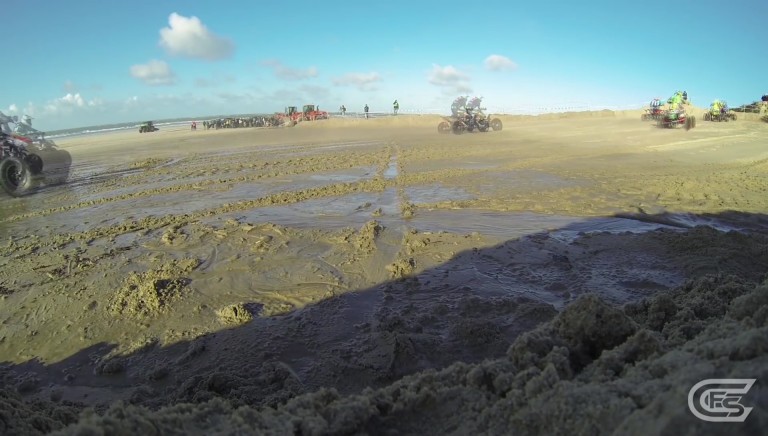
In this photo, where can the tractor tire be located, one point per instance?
(15, 176)
(457, 128)
(444, 127)
(496, 124)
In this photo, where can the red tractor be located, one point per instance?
(311, 113)
(288, 118)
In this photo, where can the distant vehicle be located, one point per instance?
(311, 113)
(288, 118)
(148, 127)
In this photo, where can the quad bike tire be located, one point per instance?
(483, 126)
(57, 165)
(644, 117)
(15, 176)
(496, 124)
(35, 164)
(707, 116)
(690, 123)
(457, 128)
(444, 127)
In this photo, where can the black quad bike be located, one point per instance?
(26, 163)
(17, 166)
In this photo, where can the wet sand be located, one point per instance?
(354, 275)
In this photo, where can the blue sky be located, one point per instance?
(85, 62)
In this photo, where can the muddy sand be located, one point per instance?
(573, 273)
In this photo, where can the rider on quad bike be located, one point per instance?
(676, 105)
(458, 105)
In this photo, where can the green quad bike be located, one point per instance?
(148, 127)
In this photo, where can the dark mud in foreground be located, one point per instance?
(425, 356)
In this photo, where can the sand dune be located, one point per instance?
(574, 272)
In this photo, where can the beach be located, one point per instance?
(576, 271)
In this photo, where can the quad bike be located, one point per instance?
(674, 119)
(18, 167)
(719, 111)
(653, 113)
(469, 122)
(25, 164)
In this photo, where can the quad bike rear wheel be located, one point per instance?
(496, 124)
(444, 127)
(15, 176)
(690, 123)
(35, 163)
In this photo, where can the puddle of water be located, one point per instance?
(521, 180)
(514, 225)
(353, 175)
(391, 172)
(327, 213)
(436, 194)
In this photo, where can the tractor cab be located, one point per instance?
(290, 110)
(308, 108)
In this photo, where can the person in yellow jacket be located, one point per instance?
(716, 108)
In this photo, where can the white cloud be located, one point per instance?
(450, 79)
(189, 37)
(154, 73)
(496, 62)
(62, 106)
(289, 73)
(363, 81)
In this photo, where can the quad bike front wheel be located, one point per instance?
(690, 123)
(496, 124)
(457, 127)
(15, 176)
(444, 127)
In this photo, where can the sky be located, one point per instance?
(84, 62)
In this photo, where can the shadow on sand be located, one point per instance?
(431, 354)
